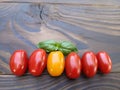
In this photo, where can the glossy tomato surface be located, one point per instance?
(37, 62)
(55, 63)
(104, 62)
(19, 62)
(89, 64)
(73, 65)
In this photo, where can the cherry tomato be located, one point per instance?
(37, 62)
(55, 63)
(73, 65)
(89, 64)
(19, 62)
(104, 62)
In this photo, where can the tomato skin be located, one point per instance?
(89, 64)
(37, 62)
(19, 62)
(73, 65)
(55, 63)
(104, 62)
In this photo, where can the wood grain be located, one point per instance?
(89, 25)
(45, 82)
(94, 2)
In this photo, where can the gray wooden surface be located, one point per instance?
(91, 25)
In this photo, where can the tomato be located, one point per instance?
(104, 62)
(37, 62)
(73, 65)
(89, 64)
(19, 62)
(55, 63)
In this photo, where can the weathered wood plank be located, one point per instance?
(94, 2)
(45, 82)
(91, 25)
(94, 28)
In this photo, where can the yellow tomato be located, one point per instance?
(55, 63)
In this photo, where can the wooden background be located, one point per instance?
(90, 24)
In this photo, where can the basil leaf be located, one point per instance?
(49, 45)
(68, 45)
(64, 51)
(64, 46)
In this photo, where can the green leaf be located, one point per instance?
(68, 45)
(64, 51)
(64, 46)
(49, 45)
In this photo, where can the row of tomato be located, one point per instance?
(56, 63)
